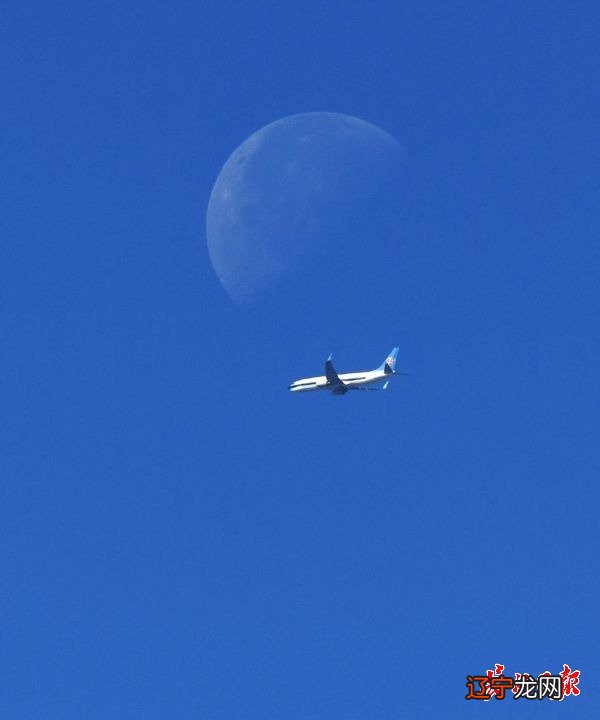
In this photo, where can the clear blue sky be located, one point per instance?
(182, 537)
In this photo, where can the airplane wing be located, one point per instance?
(337, 386)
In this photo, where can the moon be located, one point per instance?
(286, 198)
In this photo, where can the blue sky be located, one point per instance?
(182, 537)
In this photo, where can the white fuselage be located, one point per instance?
(353, 380)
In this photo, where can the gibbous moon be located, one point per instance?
(288, 195)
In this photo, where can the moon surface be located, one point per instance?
(288, 196)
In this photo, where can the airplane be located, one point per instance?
(340, 384)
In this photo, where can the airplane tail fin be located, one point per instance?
(389, 363)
